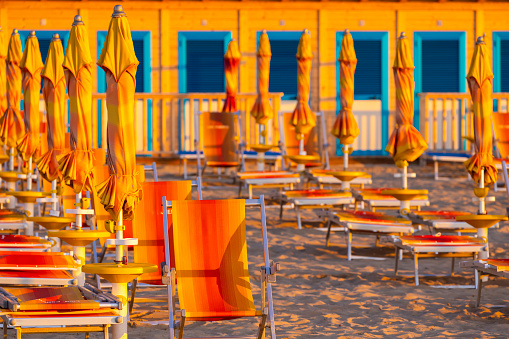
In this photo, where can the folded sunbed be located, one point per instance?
(441, 221)
(267, 179)
(374, 199)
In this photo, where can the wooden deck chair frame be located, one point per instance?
(322, 143)
(268, 276)
(152, 168)
(194, 183)
(201, 154)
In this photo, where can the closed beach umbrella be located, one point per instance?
(406, 143)
(261, 111)
(31, 66)
(3, 70)
(121, 191)
(77, 165)
(231, 72)
(12, 127)
(302, 118)
(53, 91)
(480, 84)
(345, 127)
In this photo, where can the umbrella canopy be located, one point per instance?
(12, 126)
(121, 191)
(406, 143)
(345, 127)
(53, 90)
(31, 66)
(3, 76)
(261, 111)
(480, 84)
(77, 165)
(303, 119)
(231, 73)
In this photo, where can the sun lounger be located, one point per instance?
(71, 309)
(485, 267)
(374, 199)
(313, 199)
(432, 246)
(23, 243)
(500, 124)
(367, 223)
(321, 178)
(276, 179)
(441, 221)
(437, 157)
(215, 284)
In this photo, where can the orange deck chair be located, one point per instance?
(218, 136)
(211, 263)
(148, 226)
(500, 124)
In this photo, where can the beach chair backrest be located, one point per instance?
(315, 142)
(211, 259)
(218, 136)
(501, 133)
(148, 225)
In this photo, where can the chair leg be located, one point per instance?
(106, 331)
(250, 190)
(299, 223)
(133, 295)
(240, 188)
(103, 252)
(396, 261)
(377, 241)
(479, 288)
(261, 327)
(349, 244)
(416, 268)
(281, 209)
(329, 226)
(182, 323)
(5, 329)
(452, 266)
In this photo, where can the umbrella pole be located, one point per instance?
(404, 177)
(345, 157)
(119, 331)
(11, 185)
(482, 201)
(482, 233)
(79, 251)
(301, 167)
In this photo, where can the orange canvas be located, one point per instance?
(406, 143)
(51, 298)
(303, 119)
(53, 92)
(120, 193)
(262, 111)
(148, 224)
(345, 127)
(480, 85)
(231, 73)
(501, 129)
(35, 261)
(12, 127)
(211, 259)
(77, 165)
(217, 135)
(3, 71)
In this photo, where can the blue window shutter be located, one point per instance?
(440, 66)
(44, 48)
(140, 72)
(504, 66)
(205, 66)
(368, 73)
(283, 68)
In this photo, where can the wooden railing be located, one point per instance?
(165, 121)
(446, 119)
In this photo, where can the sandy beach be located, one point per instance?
(320, 294)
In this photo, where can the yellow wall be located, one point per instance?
(245, 18)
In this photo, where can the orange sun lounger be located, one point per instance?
(485, 267)
(17, 242)
(71, 309)
(367, 223)
(433, 246)
(267, 179)
(441, 221)
(374, 199)
(215, 284)
(323, 178)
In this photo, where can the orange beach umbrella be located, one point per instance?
(12, 126)
(480, 84)
(3, 77)
(261, 111)
(406, 143)
(77, 165)
(121, 191)
(345, 127)
(54, 95)
(302, 118)
(31, 66)
(231, 72)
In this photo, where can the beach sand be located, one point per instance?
(319, 294)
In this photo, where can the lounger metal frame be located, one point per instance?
(481, 266)
(268, 276)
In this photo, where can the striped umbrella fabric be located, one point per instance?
(3, 70)
(53, 91)
(302, 118)
(77, 166)
(406, 143)
(121, 192)
(31, 66)
(480, 85)
(231, 73)
(345, 127)
(262, 111)
(12, 127)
